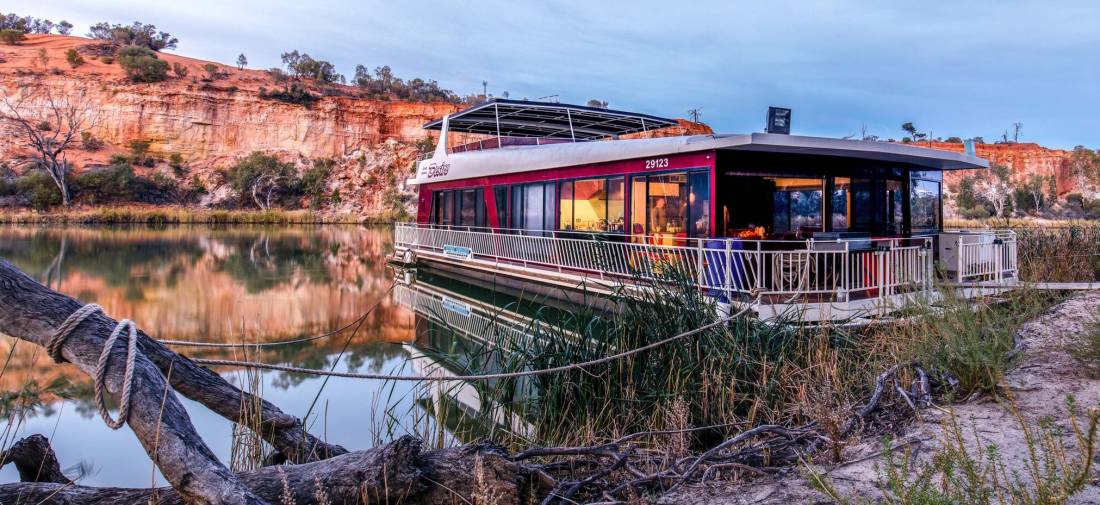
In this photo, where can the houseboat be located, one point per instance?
(565, 199)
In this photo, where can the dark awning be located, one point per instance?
(520, 118)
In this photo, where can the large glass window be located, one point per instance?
(464, 207)
(533, 206)
(675, 204)
(565, 192)
(500, 196)
(699, 201)
(924, 202)
(841, 206)
(468, 206)
(592, 205)
(668, 199)
(797, 204)
(637, 205)
(616, 205)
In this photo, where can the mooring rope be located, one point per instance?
(506, 375)
(189, 343)
(61, 334)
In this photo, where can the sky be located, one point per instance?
(957, 68)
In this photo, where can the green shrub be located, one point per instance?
(12, 37)
(263, 172)
(40, 190)
(141, 64)
(294, 93)
(89, 142)
(107, 59)
(175, 160)
(74, 58)
(179, 70)
(976, 212)
(119, 183)
(314, 179)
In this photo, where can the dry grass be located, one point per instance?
(964, 471)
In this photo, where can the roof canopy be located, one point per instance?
(520, 118)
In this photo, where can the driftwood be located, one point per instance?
(28, 302)
(35, 460)
(32, 312)
(397, 472)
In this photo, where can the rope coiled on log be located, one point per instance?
(61, 334)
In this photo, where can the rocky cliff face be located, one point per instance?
(211, 123)
(1024, 161)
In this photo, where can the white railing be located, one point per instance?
(986, 256)
(736, 270)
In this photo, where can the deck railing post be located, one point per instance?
(845, 283)
(959, 259)
(700, 273)
(728, 281)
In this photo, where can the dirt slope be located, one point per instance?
(1045, 376)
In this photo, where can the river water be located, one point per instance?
(223, 284)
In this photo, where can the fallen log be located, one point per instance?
(32, 312)
(397, 472)
(283, 431)
(35, 460)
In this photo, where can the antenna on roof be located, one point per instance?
(694, 113)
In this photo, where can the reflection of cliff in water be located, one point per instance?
(219, 284)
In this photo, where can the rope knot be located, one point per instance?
(61, 334)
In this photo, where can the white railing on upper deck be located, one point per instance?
(733, 269)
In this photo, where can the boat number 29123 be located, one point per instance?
(656, 163)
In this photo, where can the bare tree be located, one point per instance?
(49, 125)
(266, 184)
(995, 186)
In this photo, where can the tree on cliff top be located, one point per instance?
(912, 131)
(28, 24)
(301, 65)
(68, 116)
(142, 65)
(242, 62)
(137, 34)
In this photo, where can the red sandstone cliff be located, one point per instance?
(212, 124)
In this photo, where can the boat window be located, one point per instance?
(533, 206)
(797, 205)
(616, 205)
(924, 201)
(447, 214)
(464, 207)
(842, 207)
(637, 206)
(468, 208)
(592, 205)
(565, 192)
(500, 196)
(699, 201)
(671, 205)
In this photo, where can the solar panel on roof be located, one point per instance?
(521, 118)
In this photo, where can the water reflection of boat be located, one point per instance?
(460, 330)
